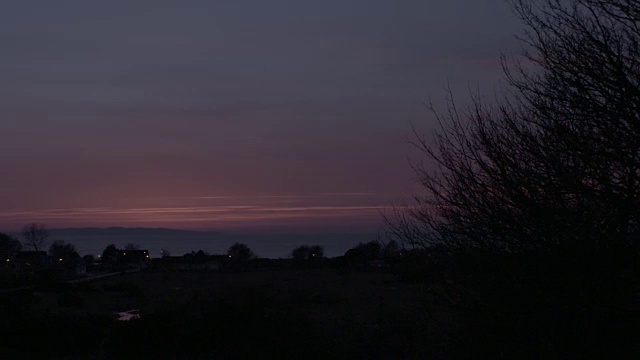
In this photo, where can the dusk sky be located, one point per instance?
(222, 115)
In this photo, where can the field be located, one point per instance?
(292, 313)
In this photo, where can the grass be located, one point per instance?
(312, 313)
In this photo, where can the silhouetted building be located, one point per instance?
(133, 256)
(38, 264)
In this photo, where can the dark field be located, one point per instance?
(287, 314)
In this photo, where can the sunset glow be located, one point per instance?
(285, 211)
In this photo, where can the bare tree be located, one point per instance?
(555, 164)
(35, 236)
(532, 201)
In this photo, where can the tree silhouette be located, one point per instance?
(533, 202)
(317, 252)
(240, 253)
(555, 165)
(9, 246)
(364, 253)
(110, 254)
(300, 253)
(306, 253)
(35, 236)
(64, 252)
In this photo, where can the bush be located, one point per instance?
(543, 305)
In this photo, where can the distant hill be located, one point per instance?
(122, 231)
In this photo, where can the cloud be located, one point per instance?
(211, 216)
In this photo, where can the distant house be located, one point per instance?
(34, 265)
(133, 257)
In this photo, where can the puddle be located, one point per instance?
(128, 315)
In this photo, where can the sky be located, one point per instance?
(229, 115)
